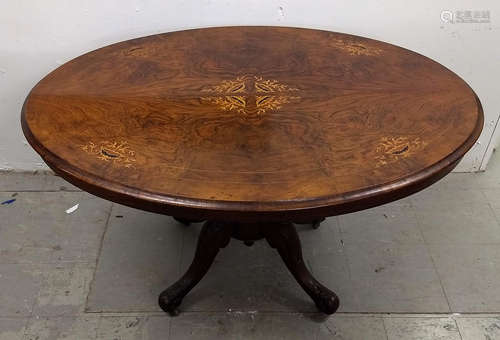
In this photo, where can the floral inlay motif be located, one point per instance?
(392, 149)
(117, 152)
(250, 96)
(356, 48)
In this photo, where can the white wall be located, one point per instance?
(36, 36)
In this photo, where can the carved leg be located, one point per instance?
(284, 238)
(186, 221)
(213, 236)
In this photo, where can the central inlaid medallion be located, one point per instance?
(251, 96)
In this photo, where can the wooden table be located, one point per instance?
(251, 129)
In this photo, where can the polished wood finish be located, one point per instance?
(251, 129)
(252, 123)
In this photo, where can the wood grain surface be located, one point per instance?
(252, 123)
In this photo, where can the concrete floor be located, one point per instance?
(425, 267)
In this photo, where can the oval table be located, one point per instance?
(251, 129)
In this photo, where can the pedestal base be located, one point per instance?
(281, 236)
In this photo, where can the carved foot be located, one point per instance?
(186, 221)
(213, 236)
(284, 238)
(171, 298)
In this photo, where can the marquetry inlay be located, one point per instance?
(250, 96)
(118, 153)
